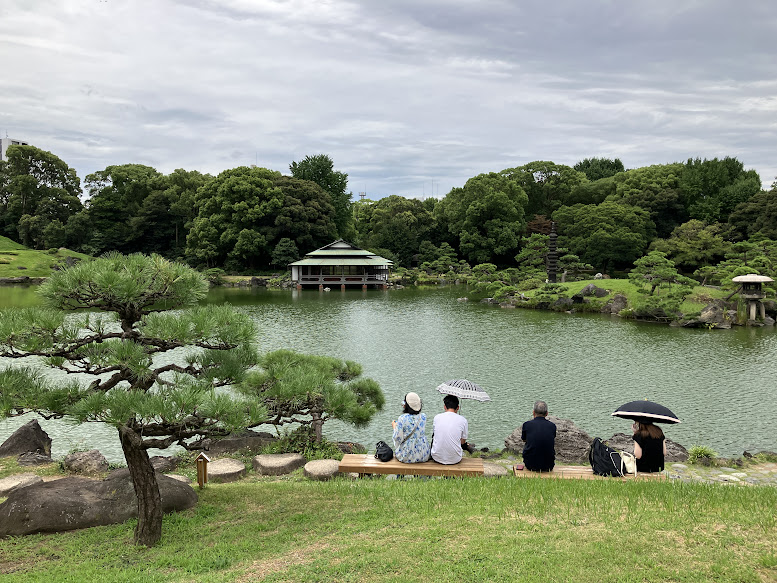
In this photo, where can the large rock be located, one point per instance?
(716, 315)
(164, 463)
(89, 463)
(615, 305)
(12, 483)
(226, 470)
(492, 470)
(321, 470)
(277, 464)
(592, 290)
(674, 451)
(73, 503)
(251, 441)
(34, 459)
(572, 443)
(28, 438)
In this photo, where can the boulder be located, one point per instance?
(492, 470)
(34, 459)
(715, 315)
(277, 464)
(615, 305)
(75, 502)
(674, 451)
(179, 477)
(769, 321)
(572, 443)
(770, 307)
(164, 463)
(248, 440)
(90, 463)
(562, 304)
(30, 437)
(321, 470)
(226, 470)
(592, 290)
(12, 483)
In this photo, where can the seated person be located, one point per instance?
(539, 453)
(449, 433)
(410, 444)
(649, 446)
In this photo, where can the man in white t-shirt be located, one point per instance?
(449, 433)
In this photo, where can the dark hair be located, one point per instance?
(649, 430)
(451, 402)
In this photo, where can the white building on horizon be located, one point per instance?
(6, 142)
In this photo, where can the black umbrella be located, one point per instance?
(646, 411)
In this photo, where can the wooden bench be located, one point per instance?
(367, 464)
(582, 473)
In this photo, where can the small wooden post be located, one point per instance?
(202, 469)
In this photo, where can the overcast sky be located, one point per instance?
(408, 97)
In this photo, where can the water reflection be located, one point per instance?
(584, 366)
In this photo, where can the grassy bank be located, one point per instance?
(436, 530)
(18, 261)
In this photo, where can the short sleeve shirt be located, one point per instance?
(449, 429)
(410, 444)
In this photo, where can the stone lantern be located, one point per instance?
(751, 290)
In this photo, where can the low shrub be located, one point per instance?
(302, 440)
(698, 453)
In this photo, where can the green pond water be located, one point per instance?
(721, 383)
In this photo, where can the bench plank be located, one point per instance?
(583, 473)
(367, 464)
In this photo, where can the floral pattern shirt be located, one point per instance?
(416, 447)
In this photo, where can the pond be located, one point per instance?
(721, 383)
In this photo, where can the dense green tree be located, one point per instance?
(36, 184)
(309, 390)
(116, 340)
(116, 195)
(533, 256)
(487, 216)
(320, 169)
(756, 216)
(598, 168)
(592, 192)
(547, 185)
(711, 189)
(235, 223)
(692, 245)
(285, 252)
(605, 234)
(399, 224)
(307, 215)
(656, 190)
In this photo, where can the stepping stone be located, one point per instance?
(492, 470)
(278, 464)
(680, 466)
(321, 470)
(11, 483)
(226, 470)
(728, 478)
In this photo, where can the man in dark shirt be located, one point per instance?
(539, 453)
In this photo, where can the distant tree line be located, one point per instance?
(698, 213)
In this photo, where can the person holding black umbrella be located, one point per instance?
(649, 446)
(649, 440)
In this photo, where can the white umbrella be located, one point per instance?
(463, 389)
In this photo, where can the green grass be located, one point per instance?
(14, 256)
(475, 529)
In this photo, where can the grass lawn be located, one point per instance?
(473, 529)
(18, 261)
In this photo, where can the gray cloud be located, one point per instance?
(407, 97)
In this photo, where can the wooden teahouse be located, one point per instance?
(341, 263)
(752, 291)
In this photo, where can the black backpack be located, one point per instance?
(604, 460)
(383, 452)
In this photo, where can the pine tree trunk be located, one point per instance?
(149, 528)
(318, 426)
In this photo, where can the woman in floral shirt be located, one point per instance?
(410, 445)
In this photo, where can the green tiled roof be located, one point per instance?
(371, 261)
